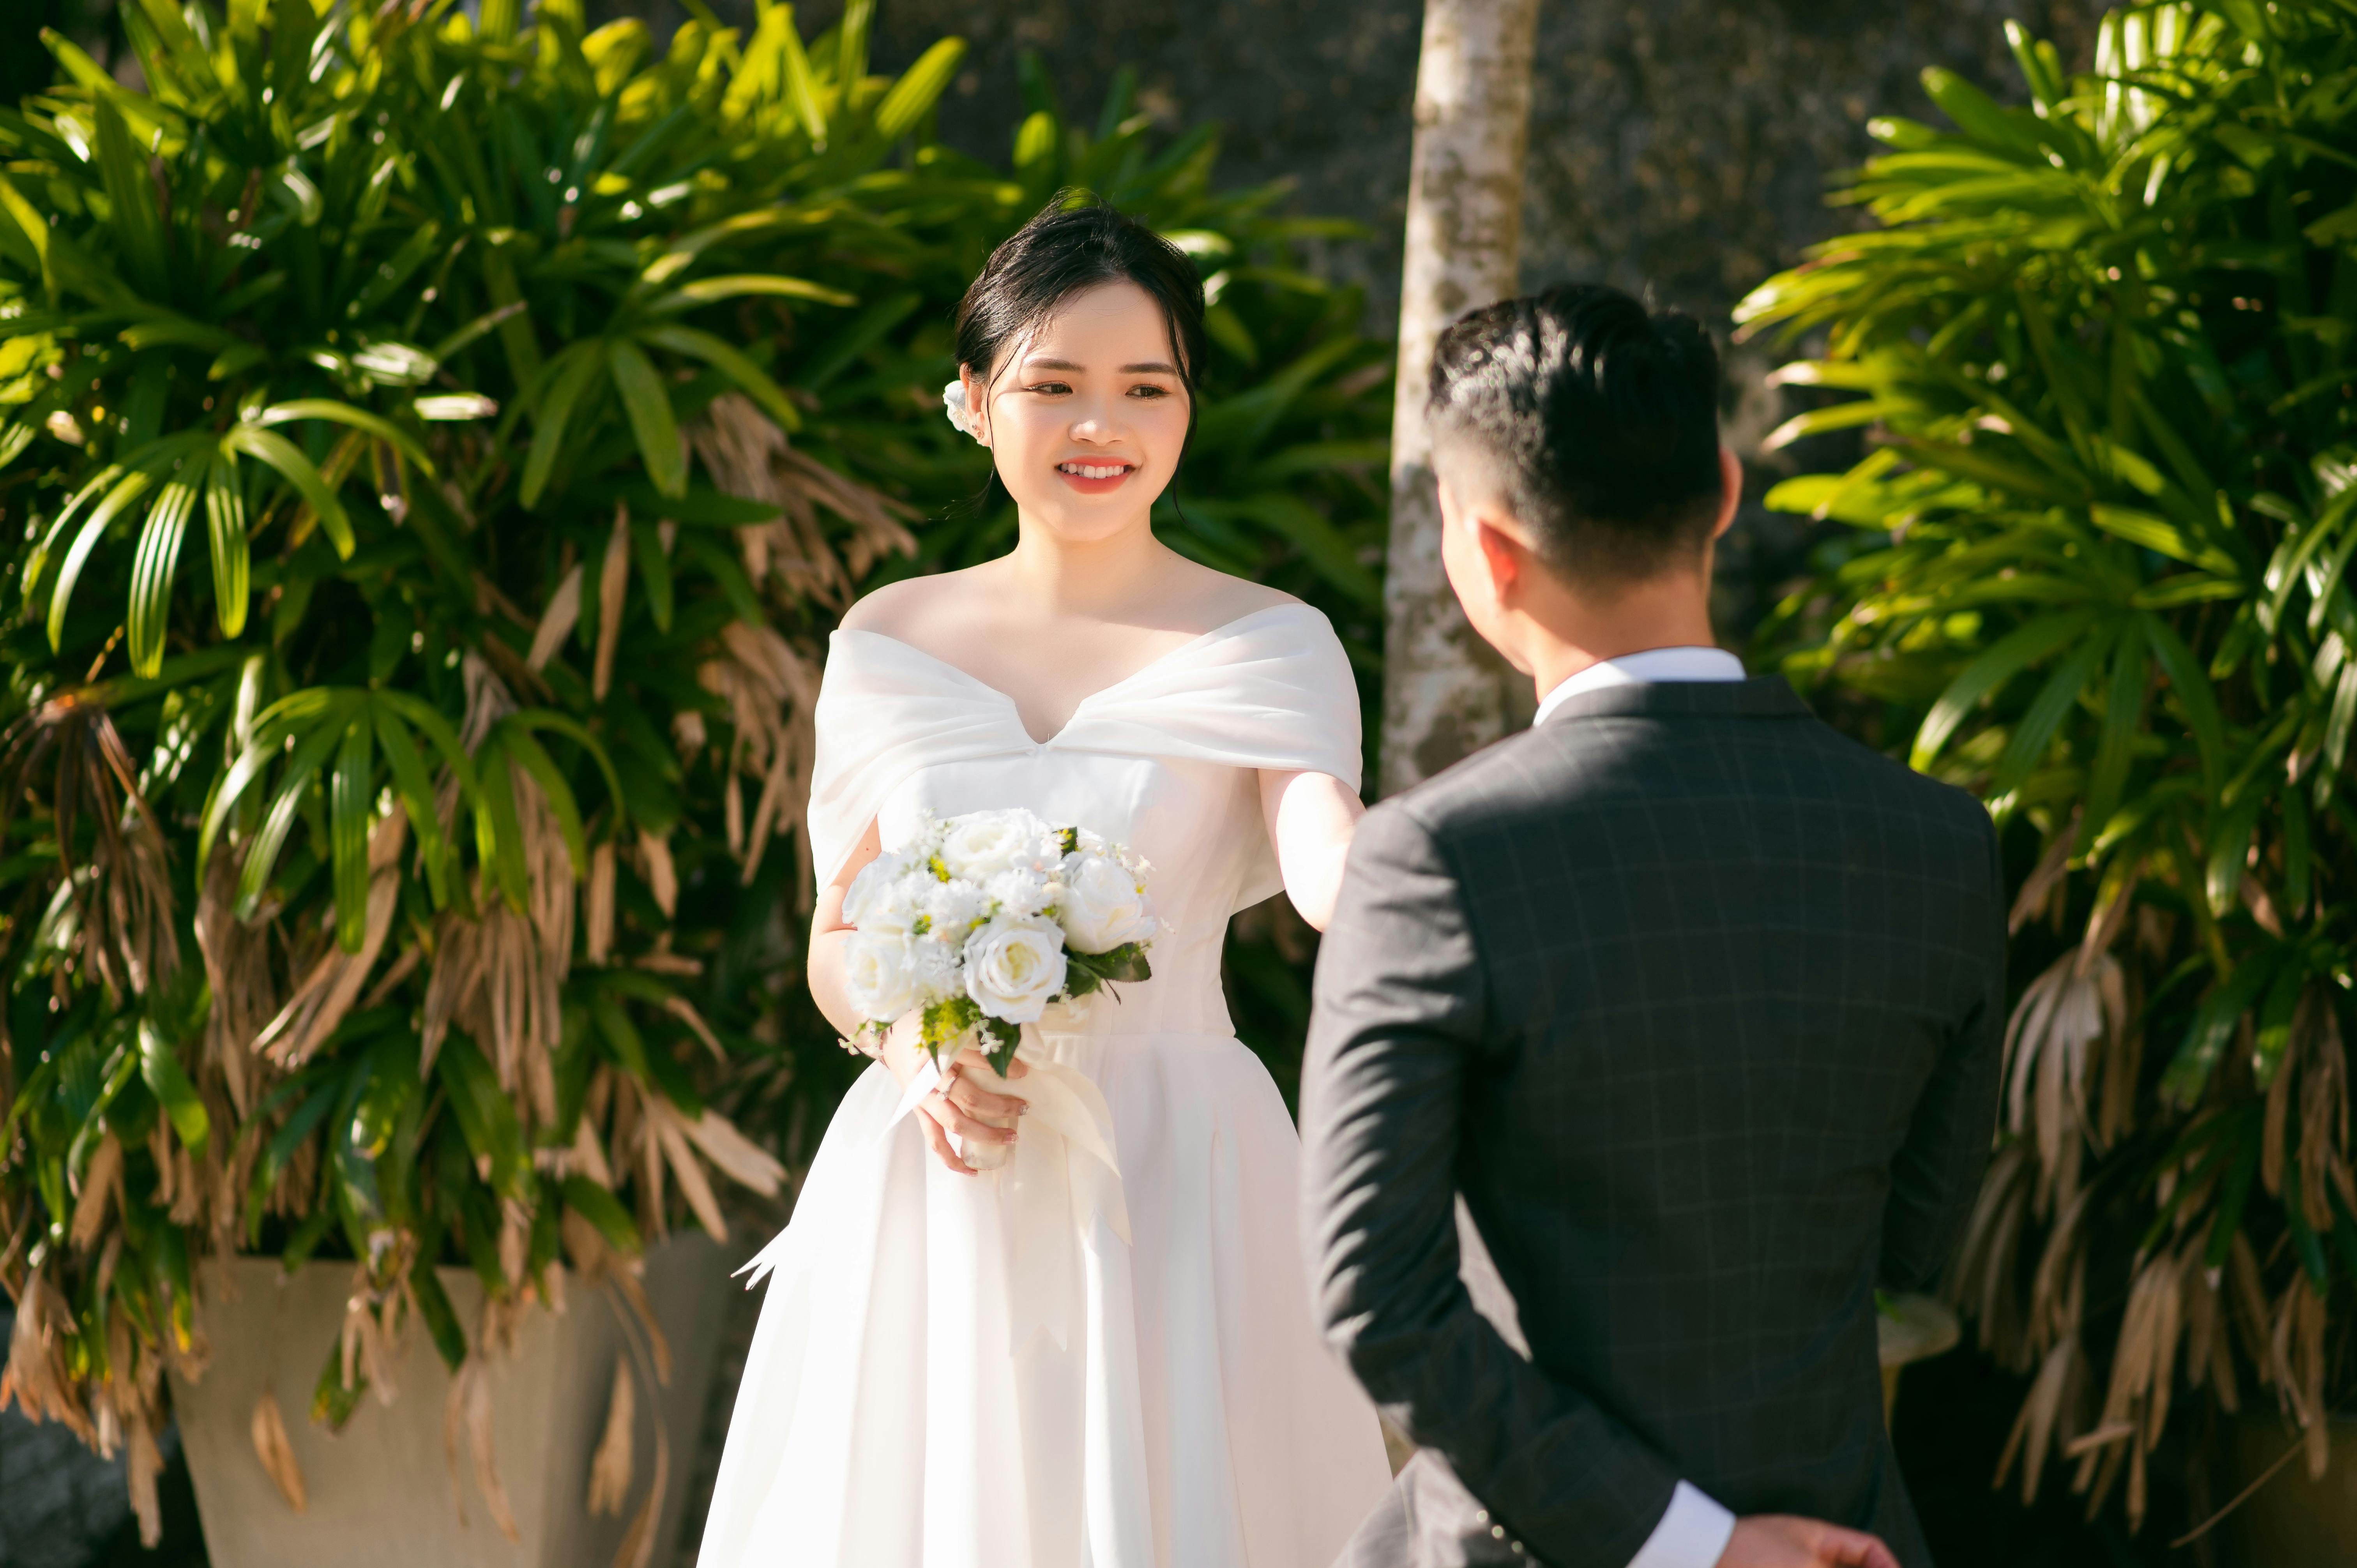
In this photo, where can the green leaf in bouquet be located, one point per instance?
(1125, 962)
(1000, 1039)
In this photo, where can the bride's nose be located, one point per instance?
(1095, 422)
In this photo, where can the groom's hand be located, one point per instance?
(1782, 1541)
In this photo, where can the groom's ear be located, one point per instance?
(1507, 557)
(1730, 489)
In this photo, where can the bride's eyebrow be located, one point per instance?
(1150, 368)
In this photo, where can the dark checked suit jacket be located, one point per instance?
(1698, 1004)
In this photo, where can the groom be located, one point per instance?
(1696, 1002)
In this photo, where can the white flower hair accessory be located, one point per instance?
(954, 399)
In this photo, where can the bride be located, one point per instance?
(1100, 1355)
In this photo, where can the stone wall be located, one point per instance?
(1677, 144)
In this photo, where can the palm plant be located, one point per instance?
(2095, 571)
(543, 402)
(428, 324)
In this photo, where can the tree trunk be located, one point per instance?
(1444, 694)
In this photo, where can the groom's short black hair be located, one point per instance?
(1592, 419)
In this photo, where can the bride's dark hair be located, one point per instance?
(1077, 243)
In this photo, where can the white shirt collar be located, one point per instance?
(1651, 666)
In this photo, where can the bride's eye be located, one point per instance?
(1051, 388)
(1148, 390)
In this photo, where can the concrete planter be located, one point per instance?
(2291, 1522)
(379, 1493)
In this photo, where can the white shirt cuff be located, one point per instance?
(1693, 1534)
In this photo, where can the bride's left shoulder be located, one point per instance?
(1223, 599)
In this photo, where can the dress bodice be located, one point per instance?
(1164, 760)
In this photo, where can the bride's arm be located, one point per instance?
(952, 1109)
(828, 933)
(1312, 817)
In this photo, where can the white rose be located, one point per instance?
(1103, 905)
(876, 972)
(951, 908)
(878, 898)
(1013, 966)
(980, 844)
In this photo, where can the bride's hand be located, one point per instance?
(957, 1104)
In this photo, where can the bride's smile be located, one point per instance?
(1087, 416)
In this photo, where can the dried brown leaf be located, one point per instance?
(143, 1464)
(693, 1185)
(737, 1156)
(613, 582)
(476, 1380)
(598, 905)
(101, 1179)
(556, 621)
(611, 1466)
(638, 1547)
(661, 877)
(626, 1285)
(277, 1455)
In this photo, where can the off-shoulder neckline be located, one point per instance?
(1217, 633)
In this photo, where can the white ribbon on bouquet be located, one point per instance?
(1055, 1188)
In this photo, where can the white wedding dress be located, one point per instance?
(1102, 1354)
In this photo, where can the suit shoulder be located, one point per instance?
(1472, 788)
(1885, 774)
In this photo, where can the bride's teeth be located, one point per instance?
(1083, 470)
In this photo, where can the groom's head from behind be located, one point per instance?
(1575, 434)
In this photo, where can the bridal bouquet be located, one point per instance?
(984, 920)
